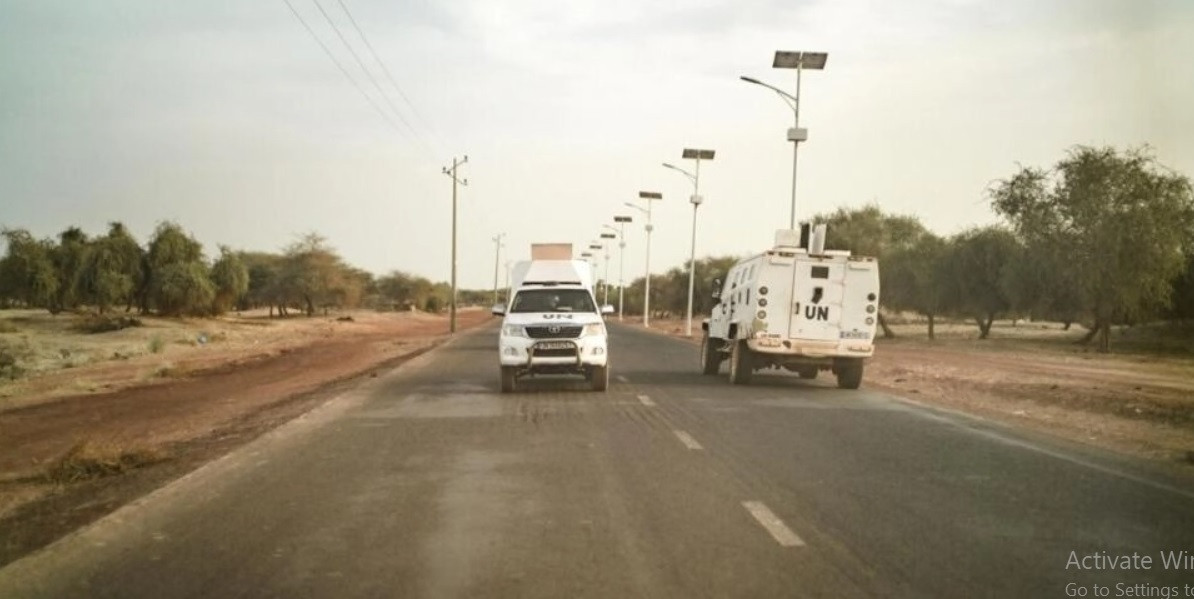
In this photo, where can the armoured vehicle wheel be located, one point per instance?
(849, 373)
(710, 358)
(740, 364)
(807, 372)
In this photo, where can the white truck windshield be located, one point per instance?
(553, 300)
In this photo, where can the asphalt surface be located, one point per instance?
(427, 482)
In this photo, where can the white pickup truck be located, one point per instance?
(552, 323)
(795, 306)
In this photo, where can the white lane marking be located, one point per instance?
(687, 440)
(646, 401)
(779, 531)
(622, 379)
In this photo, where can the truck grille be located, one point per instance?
(556, 353)
(553, 332)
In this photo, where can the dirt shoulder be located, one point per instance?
(1139, 404)
(211, 402)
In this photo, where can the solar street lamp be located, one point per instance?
(799, 61)
(696, 199)
(648, 196)
(621, 230)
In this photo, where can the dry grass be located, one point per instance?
(89, 460)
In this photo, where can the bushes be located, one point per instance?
(105, 324)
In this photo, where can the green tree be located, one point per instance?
(976, 270)
(27, 273)
(1119, 221)
(183, 288)
(69, 258)
(179, 281)
(112, 269)
(917, 278)
(265, 282)
(315, 276)
(1182, 306)
(230, 277)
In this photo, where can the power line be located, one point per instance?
(385, 70)
(347, 75)
(370, 76)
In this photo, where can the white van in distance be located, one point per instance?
(552, 323)
(804, 309)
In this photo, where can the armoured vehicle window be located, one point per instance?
(820, 272)
(553, 300)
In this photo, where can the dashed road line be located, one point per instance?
(622, 379)
(779, 531)
(687, 440)
(647, 401)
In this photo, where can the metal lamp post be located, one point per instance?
(696, 199)
(497, 252)
(799, 61)
(605, 301)
(593, 245)
(621, 220)
(648, 196)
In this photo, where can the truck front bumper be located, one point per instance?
(557, 355)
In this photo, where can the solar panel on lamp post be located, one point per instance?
(799, 61)
(696, 199)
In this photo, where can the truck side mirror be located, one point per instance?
(498, 310)
(716, 291)
(607, 309)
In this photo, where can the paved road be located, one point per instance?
(428, 483)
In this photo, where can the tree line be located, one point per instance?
(1104, 237)
(171, 276)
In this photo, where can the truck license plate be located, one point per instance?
(554, 345)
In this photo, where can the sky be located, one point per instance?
(229, 118)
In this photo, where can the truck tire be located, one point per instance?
(509, 378)
(599, 378)
(710, 357)
(849, 373)
(741, 367)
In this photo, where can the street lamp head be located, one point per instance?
(698, 154)
(751, 80)
(608, 235)
(623, 219)
(594, 246)
(799, 60)
(650, 195)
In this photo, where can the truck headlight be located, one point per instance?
(513, 330)
(595, 328)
